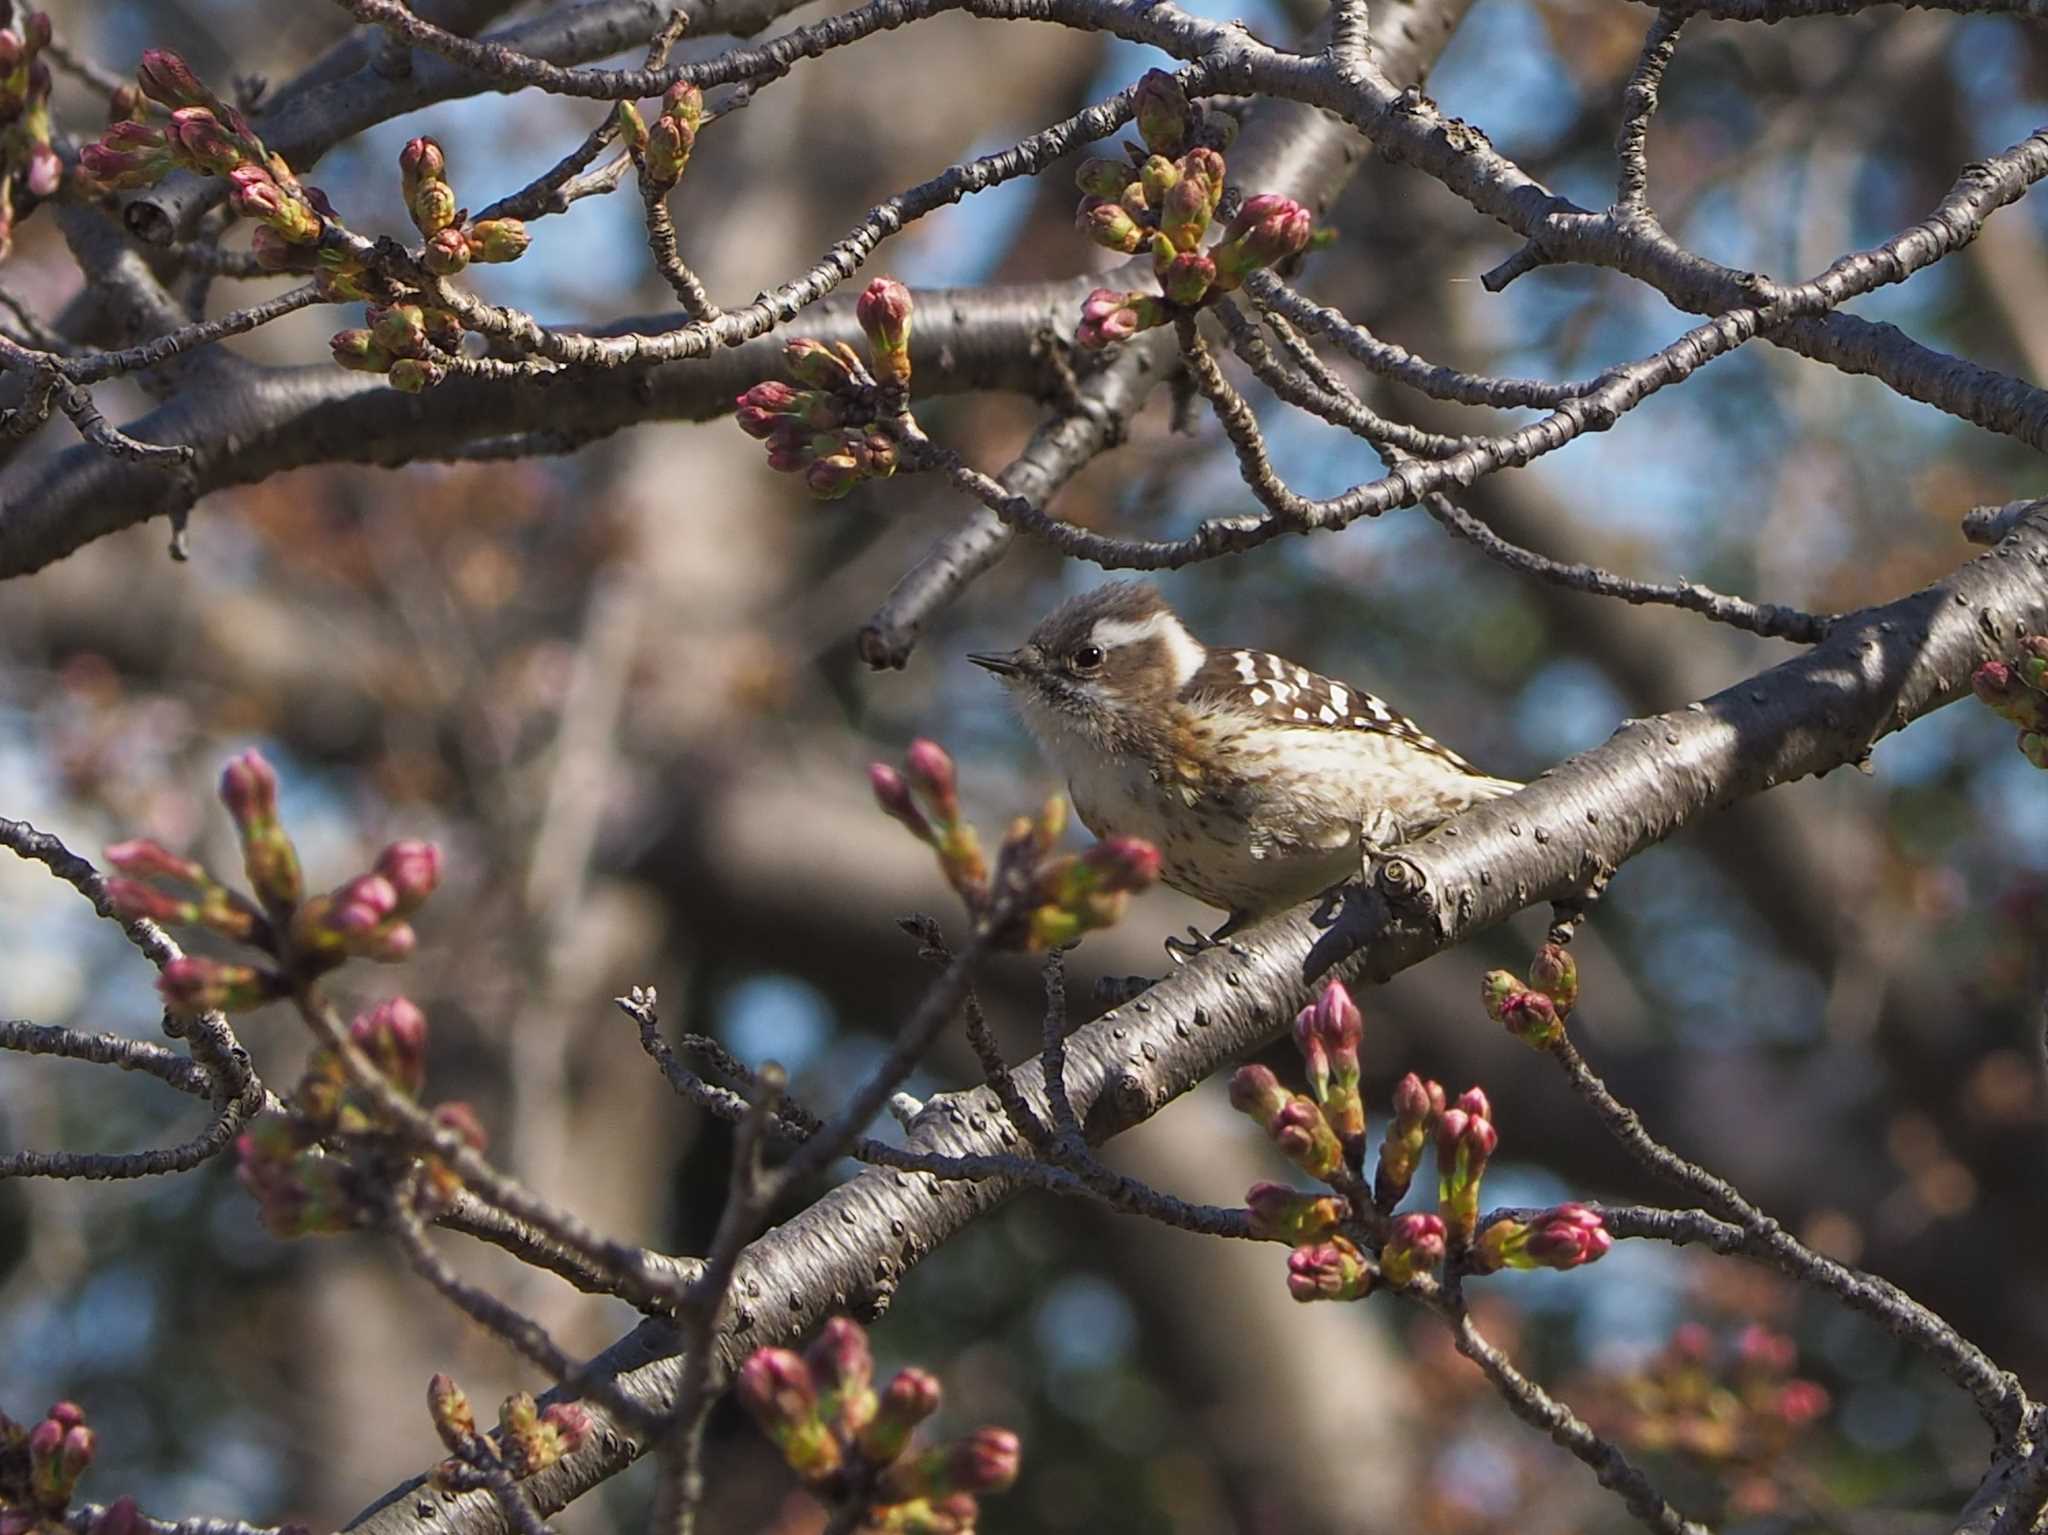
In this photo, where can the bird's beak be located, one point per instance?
(1009, 663)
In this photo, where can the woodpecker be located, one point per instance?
(1261, 783)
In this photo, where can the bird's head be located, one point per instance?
(1101, 670)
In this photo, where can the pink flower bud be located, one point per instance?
(1759, 1348)
(1332, 1270)
(1122, 864)
(833, 476)
(1801, 1402)
(1184, 216)
(362, 904)
(985, 1461)
(413, 869)
(893, 795)
(358, 350)
(248, 787)
(570, 1422)
(460, 1119)
(203, 143)
(1556, 974)
(1565, 1238)
(1282, 1214)
(1414, 1246)
(883, 311)
(45, 170)
(167, 78)
(1164, 113)
(422, 159)
(446, 252)
(191, 985)
(393, 1034)
(1257, 1094)
(1305, 1138)
(1531, 1017)
(1109, 226)
(931, 773)
(1187, 278)
(908, 1399)
(145, 859)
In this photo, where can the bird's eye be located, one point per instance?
(1087, 658)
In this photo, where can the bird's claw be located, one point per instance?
(1181, 950)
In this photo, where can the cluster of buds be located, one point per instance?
(366, 918)
(1163, 198)
(1323, 1133)
(1534, 1011)
(310, 1166)
(209, 138)
(851, 1444)
(842, 425)
(1034, 898)
(531, 1438)
(1563, 1237)
(2017, 690)
(662, 150)
(408, 343)
(406, 337)
(28, 163)
(40, 1465)
(1728, 1401)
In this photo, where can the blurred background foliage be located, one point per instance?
(621, 689)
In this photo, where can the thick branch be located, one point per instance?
(1877, 671)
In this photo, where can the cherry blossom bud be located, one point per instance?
(422, 159)
(129, 155)
(1207, 164)
(931, 772)
(1158, 176)
(1184, 216)
(884, 314)
(844, 1368)
(908, 1399)
(1306, 1138)
(1109, 316)
(1465, 1138)
(1332, 1270)
(1997, 684)
(1556, 974)
(166, 78)
(632, 127)
(1567, 1237)
(2033, 660)
(823, 365)
(203, 143)
(1257, 1094)
(1164, 113)
(448, 1405)
(1268, 229)
(1768, 1352)
(1109, 226)
(1532, 1017)
(358, 350)
(414, 375)
(1122, 864)
(446, 252)
(498, 240)
(1103, 178)
(893, 795)
(776, 1388)
(145, 859)
(833, 476)
(1188, 278)
(1282, 1214)
(414, 871)
(1416, 1105)
(1414, 1246)
(192, 985)
(1801, 1402)
(985, 1461)
(393, 1034)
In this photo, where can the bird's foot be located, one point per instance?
(1181, 950)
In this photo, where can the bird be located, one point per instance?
(1261, 783)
